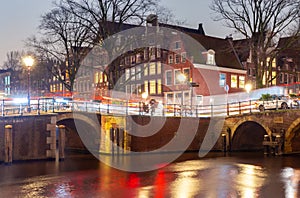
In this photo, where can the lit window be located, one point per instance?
(159, 86)
(234, 81)
(152, 87)
(146, 70)
(146, 88)
(152, 69)
(222, 80)
(241, 81)
(96, 77)
(158, 67)
(169, 77)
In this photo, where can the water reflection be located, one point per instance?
(232, 176)
(291, 179)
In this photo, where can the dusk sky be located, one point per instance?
(19, 20)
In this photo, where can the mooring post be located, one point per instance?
(8, 144)
(62, 141)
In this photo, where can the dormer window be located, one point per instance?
(210, 57)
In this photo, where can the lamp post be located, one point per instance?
(28, 61)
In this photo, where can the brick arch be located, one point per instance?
(249, 119)
(289, 135)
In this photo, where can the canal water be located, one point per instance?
(82, 175)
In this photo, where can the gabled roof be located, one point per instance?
(224, 52)
(200, 29)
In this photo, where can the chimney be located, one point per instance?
(152, 19)
(200, 29)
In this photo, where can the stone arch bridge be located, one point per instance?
(242, 132)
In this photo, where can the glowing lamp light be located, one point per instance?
(248, 87)
(20, 100)
(145, 95)
(181, 77)
(28, 61)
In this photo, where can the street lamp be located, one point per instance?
(28, 61)
(248, 88)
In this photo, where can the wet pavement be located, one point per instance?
(82, 175)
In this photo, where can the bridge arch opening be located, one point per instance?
(79, 142)
(295, 139)
(248, 137)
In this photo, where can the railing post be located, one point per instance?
(174, 109)
(8, 144)
(2, 107)
(197, 111)
(86, 107)
(126, 107)
(20, 110)
(53, 102)
(38, 107)
(107, 110)
(211, 110)
(250, 106)
(227, 108)
(240, 110)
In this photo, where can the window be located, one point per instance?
(96, 77)
(169, 77)
(210, 57)
(158, 51)
(133, 89)
(171, 59)
(183, 57)
(222, 80)
(158, 67)
(177, 45)
(152, 53)
(234, 81)
(186, 72)
(146, 88)
(146, 70)
(152, 87)
(241, 81)
(127, 74)
(159, 86)
(152, 69)
(133, 59)
(132, 73)
(138, 73)
(170, 98)
(177, 58)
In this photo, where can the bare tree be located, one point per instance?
(13, 61)
(262, 22)
(104, 18)
(64, 42)
(73, 27)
